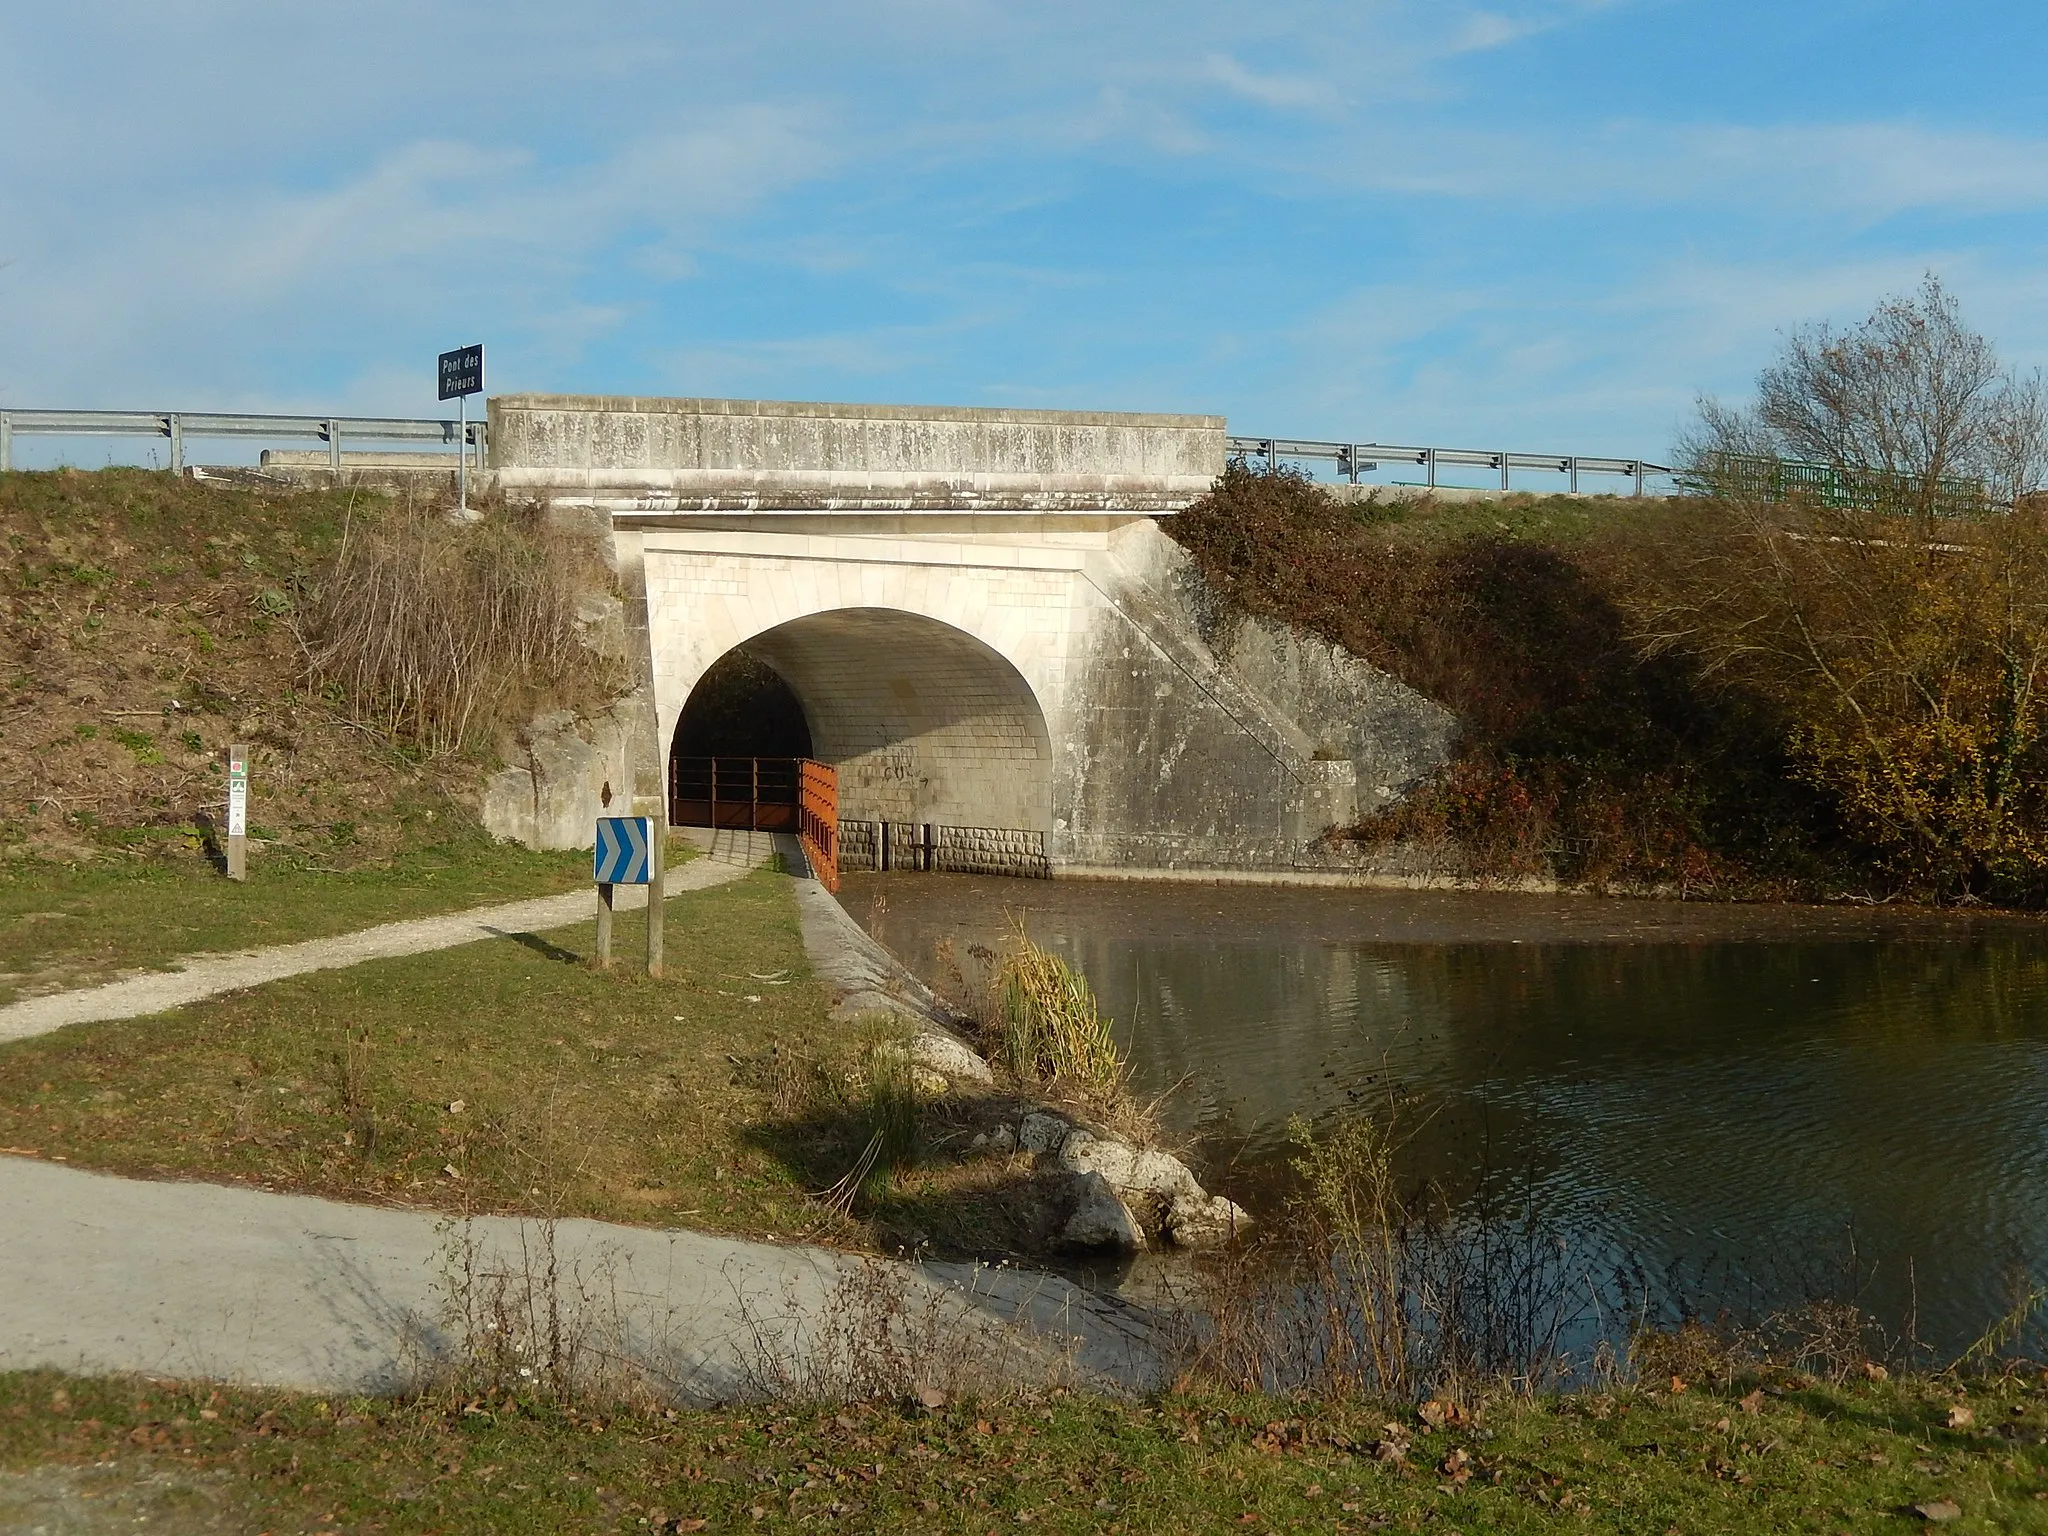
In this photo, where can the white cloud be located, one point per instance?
(432, 229)
(1281, 92)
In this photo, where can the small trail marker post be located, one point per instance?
(626, 854)
(462, 375)
(238, 813)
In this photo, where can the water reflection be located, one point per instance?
(1738, 1092)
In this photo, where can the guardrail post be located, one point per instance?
(1639, 476)
(334, 448)
(1504, 469)
(1429, 461)
(6, 441)
(174, 429)
(1572, 466)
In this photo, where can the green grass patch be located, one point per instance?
(1805, 1459)
(67, 926)
(505, 1075)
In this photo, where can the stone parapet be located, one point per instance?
(689, 455)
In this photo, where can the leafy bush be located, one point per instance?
(1580, 755)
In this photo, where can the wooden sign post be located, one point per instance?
(628, 852)
(238, 813)
(657, 908)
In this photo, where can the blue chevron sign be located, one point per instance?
(622, 849)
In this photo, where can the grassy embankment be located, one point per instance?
(1582, 758)
(720, 1097)
(145, 623)
(70, 925)
(1786, 1455)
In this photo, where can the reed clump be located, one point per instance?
(1363, 1289)
(1050, 1030)
(443, 634)
(884, 1104)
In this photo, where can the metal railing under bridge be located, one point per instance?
(762, 794)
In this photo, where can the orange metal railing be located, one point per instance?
(762, 794)
(818, 819)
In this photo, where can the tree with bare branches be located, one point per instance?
(1906, 649)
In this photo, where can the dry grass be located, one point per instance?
(445, 633)
(146, 622)
(1364, 1290)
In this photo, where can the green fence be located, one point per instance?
(1837, 488)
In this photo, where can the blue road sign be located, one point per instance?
(462, 372)
(622, 849)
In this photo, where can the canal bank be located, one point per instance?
(1739, 1105)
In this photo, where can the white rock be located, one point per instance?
(980, 1142)
(1206, 1222)
(1130, 1171)
(950, 1058)
(1002, 1139)
(1100, 1219)
(1042, 1132)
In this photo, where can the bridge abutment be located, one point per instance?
(981, 618)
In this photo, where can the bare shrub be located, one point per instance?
(1910, 411)
(353, 1091)
(882, 1332)
(1905, 652)
(1361, 1290)
(444, 633)
(1826, 1337)
(525, 1324)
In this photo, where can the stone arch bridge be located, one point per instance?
(974, 614)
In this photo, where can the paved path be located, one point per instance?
(106, 1274)
(204, 976)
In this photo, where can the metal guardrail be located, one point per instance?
(1352, 458)
(468, 437)
(178, 425)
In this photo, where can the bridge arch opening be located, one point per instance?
(926, 724)
(742, 708)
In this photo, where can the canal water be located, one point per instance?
(1750, 1105)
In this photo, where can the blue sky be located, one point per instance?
(1547, 224)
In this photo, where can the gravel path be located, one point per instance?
(202, 976)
